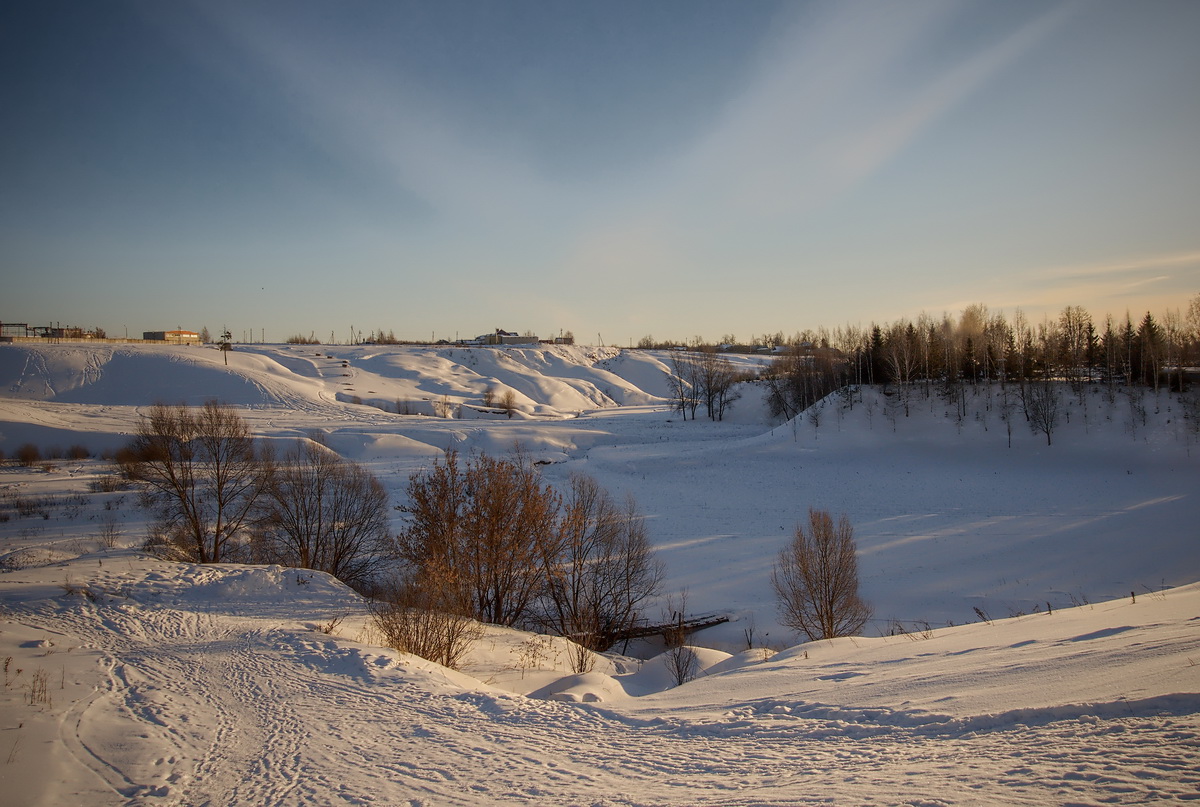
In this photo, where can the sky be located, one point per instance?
(614, 169)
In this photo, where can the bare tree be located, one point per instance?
(684, 384)
(902, 355)
(1074, 327)
(599, 570)
(715, 382)
(200, 471)
(816, 580)
(484, 526)
(510, 516)
(1008, 407)
(496, 539)
(1043, 402)
(327, 513)
(1191, 332)
(508, 402)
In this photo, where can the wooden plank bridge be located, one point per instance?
(686, 625)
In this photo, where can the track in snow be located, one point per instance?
(216, 709)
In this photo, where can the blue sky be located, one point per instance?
(615, 169)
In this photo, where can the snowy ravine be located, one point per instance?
(129, 680)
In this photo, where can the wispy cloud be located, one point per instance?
(1159, 281)
(826, 110)
(388, 124)
(1117, 271)
(1164, 278)
(834, 98)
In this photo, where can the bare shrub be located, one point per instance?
(532, 651)
(110, 534)
(682, 664)
(27, 455)
(78, 452)
(443, 408)
(108, 483)
(684, 381)
(816, 580)
(681, 661)
(582, 659)
(329, 626)
(39, 691)
(427, 618)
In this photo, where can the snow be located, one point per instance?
(147, 682)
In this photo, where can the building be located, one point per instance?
(503, 337)
(172, 337)
(24, 332)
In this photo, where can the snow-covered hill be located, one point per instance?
(143, 682)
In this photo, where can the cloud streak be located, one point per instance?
(382, 122)
(1160, 281)
(826, 112)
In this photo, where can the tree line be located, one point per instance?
(980, 345)
(947, 353)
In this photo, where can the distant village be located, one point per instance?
(503, 337)
(24, 332)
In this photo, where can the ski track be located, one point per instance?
(254, 712)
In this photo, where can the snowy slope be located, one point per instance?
(178, 684)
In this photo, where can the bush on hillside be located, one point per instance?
(28, 455)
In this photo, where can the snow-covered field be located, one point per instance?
(129, 680)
